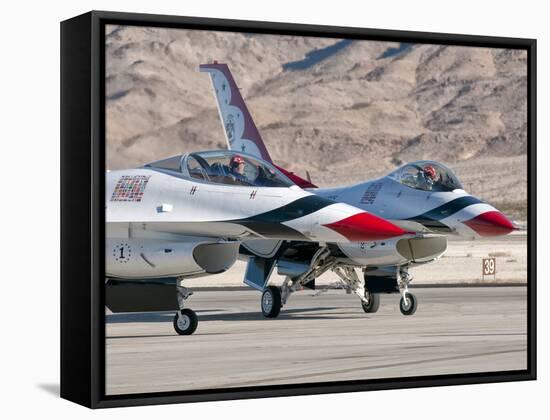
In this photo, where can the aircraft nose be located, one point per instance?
(491, 223)
(366, 227)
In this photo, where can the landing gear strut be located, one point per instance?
(185, 320)
(274, 298)
(370, 302)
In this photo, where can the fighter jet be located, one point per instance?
(186, 216)
(424, 197)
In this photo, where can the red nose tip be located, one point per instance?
(491, 223)
(366, 227)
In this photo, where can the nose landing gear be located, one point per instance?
(408, 302)
(185, 321)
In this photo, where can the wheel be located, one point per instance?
(411, 307)
(373, 302)
(185, 322)
(271, 302)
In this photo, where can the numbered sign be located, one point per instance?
(489, 267)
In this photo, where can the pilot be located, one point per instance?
(236, 169)
(426, 177)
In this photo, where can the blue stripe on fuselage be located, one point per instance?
(447, 209)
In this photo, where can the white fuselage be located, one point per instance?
(161, 224)
(422, 211)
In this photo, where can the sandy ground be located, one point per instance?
(462, 263)
(317, 338)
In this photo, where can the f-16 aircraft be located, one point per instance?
(186, 216)
(424, 197)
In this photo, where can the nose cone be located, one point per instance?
(491, 223)
(366, 227)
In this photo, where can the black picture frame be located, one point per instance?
(83, 218)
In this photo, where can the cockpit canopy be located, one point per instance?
(225, 167)
(427, 175)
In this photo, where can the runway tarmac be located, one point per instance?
(317, 339)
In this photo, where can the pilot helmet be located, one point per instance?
(236, 161)
(429, 172)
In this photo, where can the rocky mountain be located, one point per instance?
(343, 110)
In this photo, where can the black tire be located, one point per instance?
(374, 303)
(186, 323)
(271, 302)
(411, 308)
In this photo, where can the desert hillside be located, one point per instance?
(345, 111)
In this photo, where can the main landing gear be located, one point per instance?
(271, 302)
(185, 320)
(371, 302)
(375, 282)
(274, 298)
(370, 289)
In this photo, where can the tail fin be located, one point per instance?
(241, 133)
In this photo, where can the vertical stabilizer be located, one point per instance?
(240, 131)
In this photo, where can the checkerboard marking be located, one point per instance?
(130, 188)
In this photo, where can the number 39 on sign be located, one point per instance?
(489, 267)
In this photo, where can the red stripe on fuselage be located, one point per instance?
(366, 227)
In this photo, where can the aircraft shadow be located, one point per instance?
(172, 335)
(234, 316)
